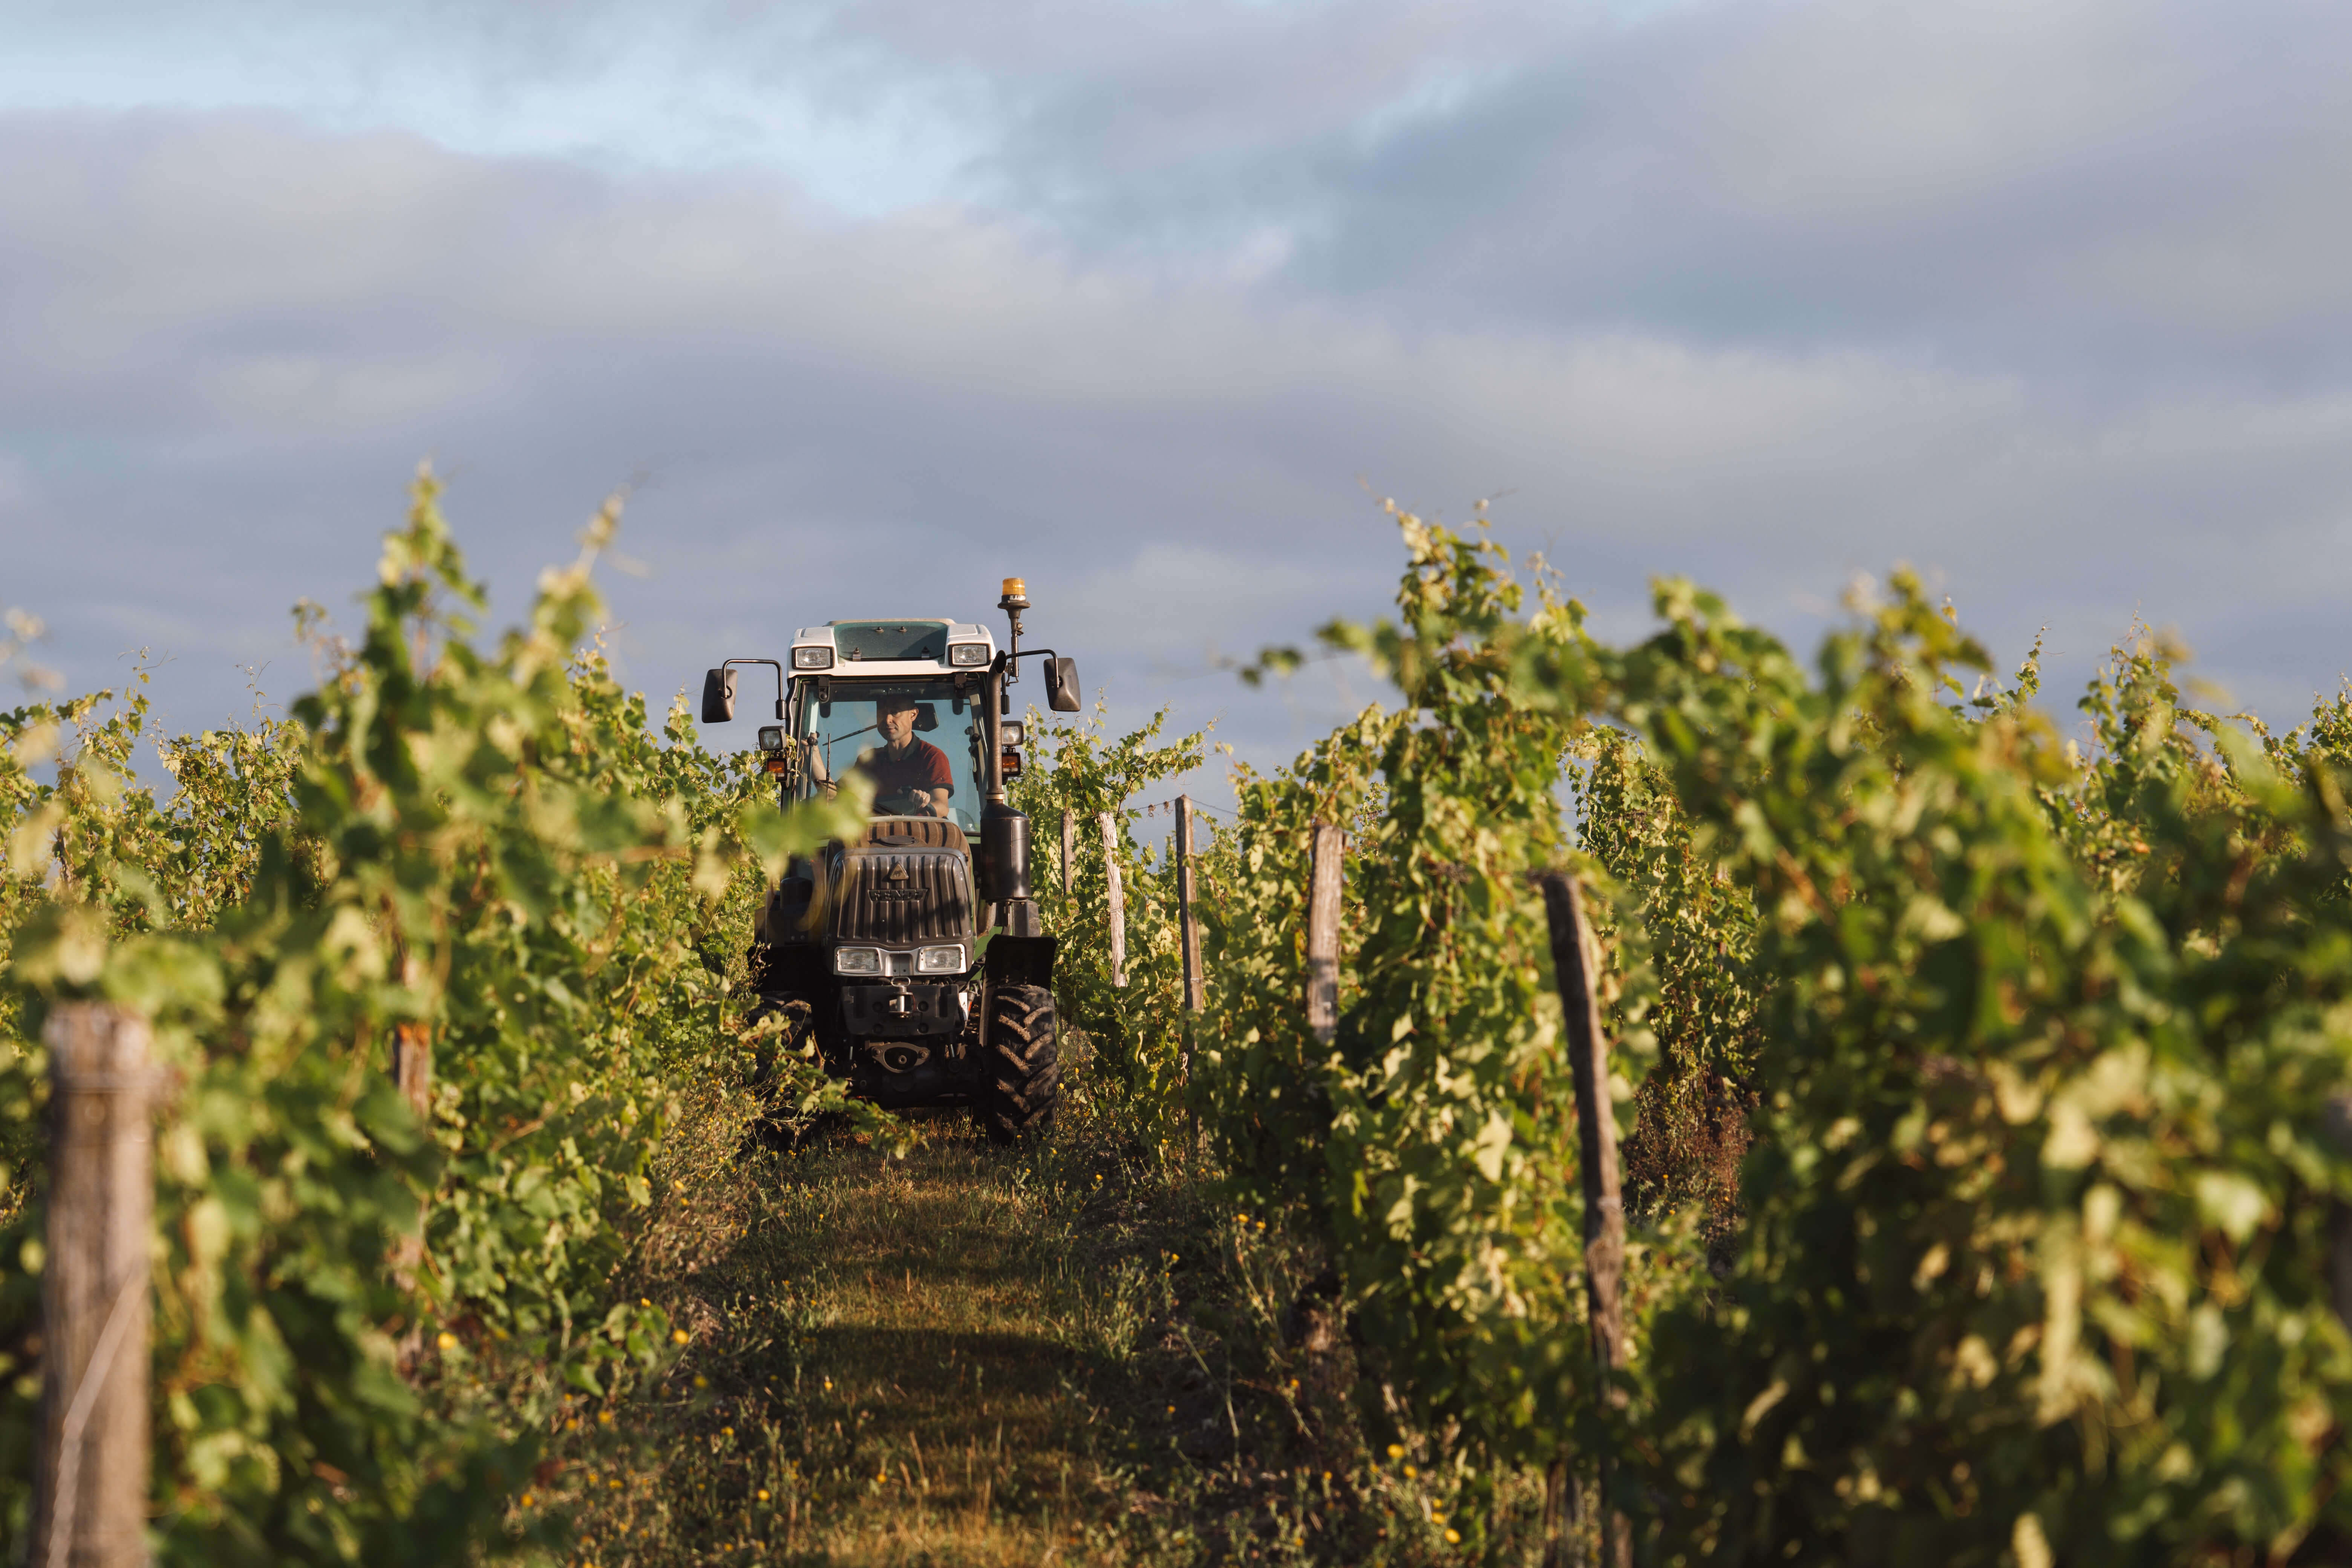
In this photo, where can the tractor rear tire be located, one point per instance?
(1024, 1068)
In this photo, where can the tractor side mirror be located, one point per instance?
(718, 696)
(1062, 684)
(927, 715)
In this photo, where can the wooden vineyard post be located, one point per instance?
(411, 1073)
(90, 1509)
(2336, 1120)
(1563, 1515)
(412, 1066)
(1188, 937)
(1117, 896)
(1189, 931)
(1069, 853)
(1323, 932)
(1604, 1210)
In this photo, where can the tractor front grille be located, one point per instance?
(902, 897)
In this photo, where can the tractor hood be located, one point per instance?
(906, 883)
(901, 893)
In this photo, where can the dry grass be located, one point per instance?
(941, 1365)
(881, 1371)
(1068, 1355)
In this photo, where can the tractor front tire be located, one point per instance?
(1024, 1068)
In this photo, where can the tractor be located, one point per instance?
(913, 958)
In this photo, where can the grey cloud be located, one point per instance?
(235, 336)
(2098, 189)
(2095, 190)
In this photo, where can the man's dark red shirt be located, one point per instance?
(921, 766)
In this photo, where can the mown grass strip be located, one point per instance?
(1070, 1354)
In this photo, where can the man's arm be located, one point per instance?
(939, 783)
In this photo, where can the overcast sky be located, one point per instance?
(1151, 302)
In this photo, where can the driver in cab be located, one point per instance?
(910, 775)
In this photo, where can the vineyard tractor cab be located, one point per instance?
(913, 958)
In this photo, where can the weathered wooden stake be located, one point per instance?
(1117, 895)
(2336, 1120)
(90, 1510)
(411, 1073)
(1195, 989)
(1323, 932)
(412, 1066)
(1563, 1517)
(1596, 1127)
(1069, 853)
(1188, 938)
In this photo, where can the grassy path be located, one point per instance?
(941, 1378)
(964, 1356)
(889, 1359)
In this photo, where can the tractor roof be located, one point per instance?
(899, 646)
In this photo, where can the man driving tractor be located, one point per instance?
(910, 776)
(908, 960)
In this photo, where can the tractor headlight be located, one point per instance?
(857, 960)
(771, 737)
(812, 659)
(968, 653)
(939, 961)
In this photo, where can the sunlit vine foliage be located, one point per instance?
(1985, 1088)
(485, 845)
(1079, 770)
(2036, 1042)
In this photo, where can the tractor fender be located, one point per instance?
(1020, 960)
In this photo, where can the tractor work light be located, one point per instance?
(812, 659)
(968, 653)
(771, 737)
(857, 960)
(940, 961)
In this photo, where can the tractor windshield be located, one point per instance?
(916, 738)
